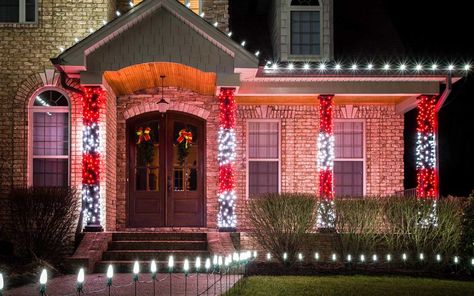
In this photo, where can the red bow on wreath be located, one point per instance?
(185, 135)
(143, 135)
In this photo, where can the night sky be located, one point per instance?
(408, 31)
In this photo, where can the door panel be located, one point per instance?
(168, 189)
(185, 199)
(147, 208)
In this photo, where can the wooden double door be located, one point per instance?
(166, 170)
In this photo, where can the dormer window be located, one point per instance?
(305, 29)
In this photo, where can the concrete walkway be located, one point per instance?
(95, 284)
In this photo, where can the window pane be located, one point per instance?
(348, 178)
(30, 10)
(305, 32)
(50, 133)
(9, 11)
(51, 98)
(263, 177)
(50, 172)
(349, 139)
(263, 140)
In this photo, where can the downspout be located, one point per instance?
(442, 99)
(57, 64)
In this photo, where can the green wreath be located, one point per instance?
(145, 143)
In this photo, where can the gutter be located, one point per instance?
(56, 62)
(444, 96)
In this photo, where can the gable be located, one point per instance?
(155, 31)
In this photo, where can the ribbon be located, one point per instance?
(143, 135)
(185, 135)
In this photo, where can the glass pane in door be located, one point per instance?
(185, 157)
(147, 146)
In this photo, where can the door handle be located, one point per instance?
(169, 184)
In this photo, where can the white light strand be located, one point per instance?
(325, 151)
(326, 214)
(226, 217)
(226, 146)
(91, 204)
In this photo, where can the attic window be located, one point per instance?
(18, 11)
(304, 2)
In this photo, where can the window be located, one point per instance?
(18, 11)
(263, 157)
(304, 2)
(349, 158)
(50, 139)
(305, 32)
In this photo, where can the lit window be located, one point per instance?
(50, 139)
(18, 11)
(264, 157)
(349, 158)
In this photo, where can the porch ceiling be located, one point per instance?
(146, 76)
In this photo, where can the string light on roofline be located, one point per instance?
(370, 66)
(337, 67)
(322, 66)
(131, 4)
(243, 43)
(228, 34)
(386, 67)
(467, 67)
(291, 66)
(257, 53)
(117, 13)
(216, 24)
(202, 14)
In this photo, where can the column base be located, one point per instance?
(93, 228)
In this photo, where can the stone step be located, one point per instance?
(127, 266)
(159, 255)
(158, 245)
(158, 236)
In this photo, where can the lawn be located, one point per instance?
(350, 285)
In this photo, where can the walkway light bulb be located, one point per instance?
(207, 265)
(374, 258)
(91, 30)
(80, 276)
(136, 268)
(214, 260)
(171, 262)
(110, 273)
(2, 284)
(404, 257)
(269, 256)
(285, 256)
(186, 266)
(422, 256)
(220, 261)
(316, 256)
(456, 260)
(43, 281)
(153, 268)
(362, 258)
(197, 263)
(334, 257)
(300, 256)
(389, 257)
(104, 22)
(472, 262)
(349, 258)
(438, 257)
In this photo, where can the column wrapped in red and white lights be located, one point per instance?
(226, 218)
(426, 127)
(426, 172)
(92, 101)
(326, 214)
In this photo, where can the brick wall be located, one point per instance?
(300, 124)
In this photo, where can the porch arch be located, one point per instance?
(173, 106)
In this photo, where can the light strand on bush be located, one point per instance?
(226, 217)
(326, 215)
(426, 174)
(92, 101)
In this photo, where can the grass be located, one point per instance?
(350, 285)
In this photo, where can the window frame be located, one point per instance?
(22, 14)
(293, 8)
(247, 153)
(364, 154)
(42, 109)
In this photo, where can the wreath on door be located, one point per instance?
(145, 143)
(185, 141)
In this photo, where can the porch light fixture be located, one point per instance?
(162, 103)
(186, 266)
(207, 265)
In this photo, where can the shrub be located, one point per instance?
(281, 221)
(358, 224)
(44, 219)
(467, 241)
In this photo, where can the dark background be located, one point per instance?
(409, 31)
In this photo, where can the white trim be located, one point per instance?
(40, 109)
(247, 157)
(364, 151)
(298, 57)
(22, 14)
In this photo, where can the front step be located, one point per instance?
(160, 255)
(127, 247)
(157, 245)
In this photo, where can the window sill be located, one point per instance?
(19, 25)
